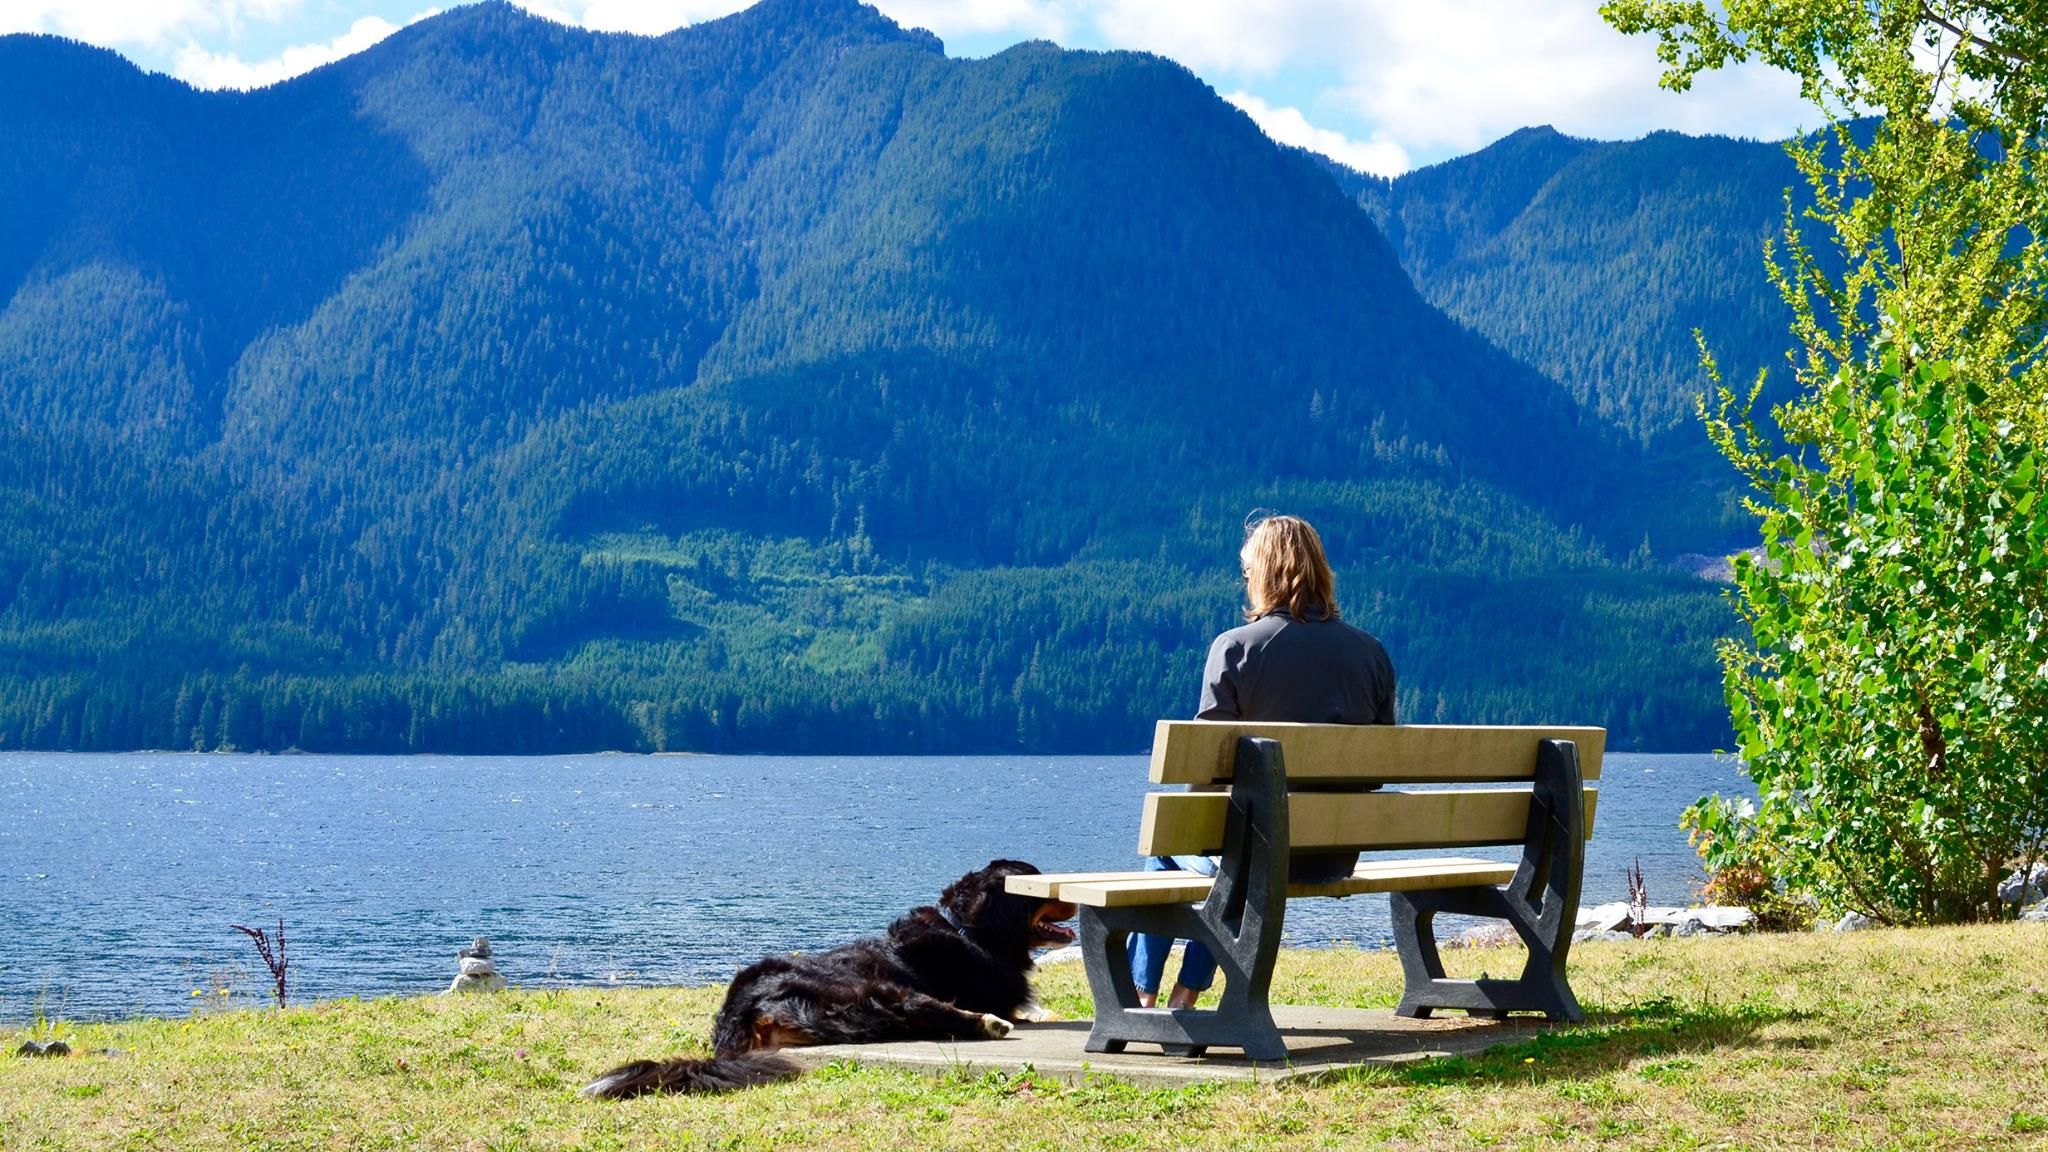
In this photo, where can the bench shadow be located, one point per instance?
(1371, 1047)
(1665, 1030)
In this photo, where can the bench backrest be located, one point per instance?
(1323, 757)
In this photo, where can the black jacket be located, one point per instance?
(1308, 671)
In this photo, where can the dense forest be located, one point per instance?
(1595, 261)
(781, 384)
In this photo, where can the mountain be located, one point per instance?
(1595, 262)
(775, 384)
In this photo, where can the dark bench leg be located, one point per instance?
(1242, 1018)
(1541, 902)
(1240, 924)
(1106, 957)
(1540, 988)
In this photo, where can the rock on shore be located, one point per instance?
(1618, 921)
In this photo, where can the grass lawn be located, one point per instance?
(1888, 1039)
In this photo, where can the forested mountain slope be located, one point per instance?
(1596, 261)
(778, 383)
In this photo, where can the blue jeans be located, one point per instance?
(1148, 953)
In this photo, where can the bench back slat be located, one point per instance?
(1191, 823)
(1203, 751)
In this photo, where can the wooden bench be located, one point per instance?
(1298, 787)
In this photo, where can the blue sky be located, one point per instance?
(1385, 85)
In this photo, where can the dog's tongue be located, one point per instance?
(1056, 933)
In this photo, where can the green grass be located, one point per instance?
(1880, 1040)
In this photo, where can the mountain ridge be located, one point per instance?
(511, 387)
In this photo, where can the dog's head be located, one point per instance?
(1000, 921)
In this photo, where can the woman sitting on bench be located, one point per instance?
(1293, 660)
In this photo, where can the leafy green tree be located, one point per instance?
(1891, 696)
(1892, 699)
(1927, 183)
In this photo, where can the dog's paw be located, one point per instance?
(995, 1027)
(1034, 1013)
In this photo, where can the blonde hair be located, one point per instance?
(1284, 567)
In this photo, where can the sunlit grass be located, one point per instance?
(1929, 1039)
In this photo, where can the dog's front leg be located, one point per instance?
(929, 1015)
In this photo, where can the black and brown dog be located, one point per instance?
(959, 970)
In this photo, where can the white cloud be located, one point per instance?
(1025, 19)
(1244, 37)
(1456, 74)
(647, 17)
(1402, 78)
(1409, 79)
(1379, 155)
(1405, 79)
(138, 22)
(203, 69)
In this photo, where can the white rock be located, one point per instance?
(1604, 917)
(2038, 912)
(1585, 934)
(1688, 928)
(2025, 889)
(1853, 922)
(1484, 936)
(1721, 918)
(478, 966)
(490, 983)
(1661, 914)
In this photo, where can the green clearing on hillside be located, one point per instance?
(1889, 1039)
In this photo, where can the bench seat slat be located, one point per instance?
(1046, 885)
(1123, 889)
(1203, 751)
(1184, 888)
(1191, 823)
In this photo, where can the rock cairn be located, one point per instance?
(475, 972)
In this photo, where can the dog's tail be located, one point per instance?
(716, 1074)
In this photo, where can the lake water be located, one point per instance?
(120, 874)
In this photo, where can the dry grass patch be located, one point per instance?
(1928, 1039)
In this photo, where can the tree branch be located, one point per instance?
(1929, 14)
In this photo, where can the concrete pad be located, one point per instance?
(1320, 1042)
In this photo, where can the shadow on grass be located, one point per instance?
(1606, 1041)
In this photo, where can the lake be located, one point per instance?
(120, 874)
